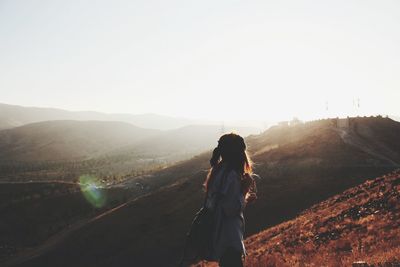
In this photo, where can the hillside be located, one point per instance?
(63, 150)
(299, 166)
(67, 140)
(361, 224)
(128, 231)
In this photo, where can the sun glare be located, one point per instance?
(91, 188)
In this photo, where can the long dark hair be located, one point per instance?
(231, 150)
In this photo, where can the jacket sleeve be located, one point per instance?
(232, 201)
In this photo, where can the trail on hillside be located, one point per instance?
(57, 238)
(351, 138)
(39, 182)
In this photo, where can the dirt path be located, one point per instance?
(38, 182)
(353, 140)
(55, 239)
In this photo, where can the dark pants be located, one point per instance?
(231, 258)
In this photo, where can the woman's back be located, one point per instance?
(229, 185)
(226, 196)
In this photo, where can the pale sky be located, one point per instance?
(263, 60)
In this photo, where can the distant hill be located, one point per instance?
(67, 140)
(13, 116)
(299, 165)
(188, 139)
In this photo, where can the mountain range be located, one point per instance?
(13, 116)
(54, 144)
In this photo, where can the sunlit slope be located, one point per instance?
(299, 165)
(316, 162)
(361, 224)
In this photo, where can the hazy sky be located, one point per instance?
(267, 60)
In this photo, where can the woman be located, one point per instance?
(229, 186)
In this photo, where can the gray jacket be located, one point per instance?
(229, 224)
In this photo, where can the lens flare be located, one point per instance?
(92, 189)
